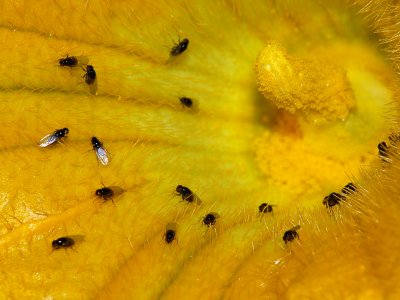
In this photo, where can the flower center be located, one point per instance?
(330, 117)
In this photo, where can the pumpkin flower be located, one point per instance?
(199, 149)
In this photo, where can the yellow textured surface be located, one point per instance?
(305, 159)
(317, 89)
(219, 150)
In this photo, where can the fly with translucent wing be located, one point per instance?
(187, 195)
(54, 137)
(107, 193)
(101, 153)
(90, 78)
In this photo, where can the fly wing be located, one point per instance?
(48, 140)
(93, 87)
(117, 190)
(82, 60)
(295, 228)
(196, 199)
(171, 226)
(102, 156)
(77, 237)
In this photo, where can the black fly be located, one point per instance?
(73, 61)
(187, 195)
(53, 137)
(291, 234)
(62, 242)
(108, 193)
(186, 101)
(101, 152)
(333, 199)
(179, 47)
(210, 219)
(266, 208)
(170, 233)
(90, 78)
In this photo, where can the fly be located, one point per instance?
(54, 137)
(179, 47)
(101, 152)
(90, 78)
(73, 61)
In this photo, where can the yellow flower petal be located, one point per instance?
(218, 149)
